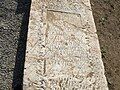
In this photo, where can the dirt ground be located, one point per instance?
(14, 15)
(107, 18)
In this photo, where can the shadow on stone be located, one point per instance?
(22, 8)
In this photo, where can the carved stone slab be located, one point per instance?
(62, 47)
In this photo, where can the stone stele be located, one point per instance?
(63, 51)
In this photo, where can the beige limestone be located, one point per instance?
(62, 47)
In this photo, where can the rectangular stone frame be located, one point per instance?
(63, 51)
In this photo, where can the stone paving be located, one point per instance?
(63, 51)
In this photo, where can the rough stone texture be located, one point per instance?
(62, 48)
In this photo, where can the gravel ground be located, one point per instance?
(14, 16)
(107, 19)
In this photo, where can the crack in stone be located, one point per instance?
(44, 66)
(67, 12)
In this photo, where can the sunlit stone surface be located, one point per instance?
(62, 47)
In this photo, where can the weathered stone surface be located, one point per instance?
(62, 49)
